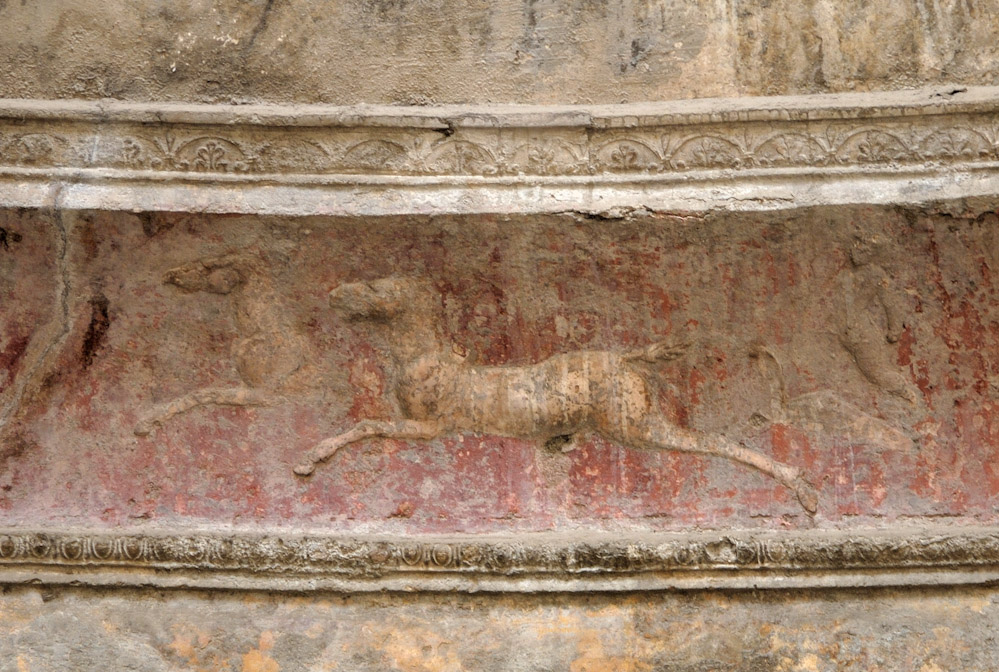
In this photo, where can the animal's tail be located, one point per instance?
(663, 351)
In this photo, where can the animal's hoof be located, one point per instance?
(305, 468)
(807, 495)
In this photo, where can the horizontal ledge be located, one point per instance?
(924, 101)
(609, 200)
(543, 562)
(406, 181)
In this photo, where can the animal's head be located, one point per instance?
(383, 299)
(216, 275)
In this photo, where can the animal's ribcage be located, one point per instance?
(561, 395)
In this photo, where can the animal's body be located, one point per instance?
(440, 394)
(565, 394)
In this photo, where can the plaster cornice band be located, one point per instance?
(748, 154)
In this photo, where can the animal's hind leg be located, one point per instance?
(236, 396)
(658, 433)
(367, 429)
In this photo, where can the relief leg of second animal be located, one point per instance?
(236, 396)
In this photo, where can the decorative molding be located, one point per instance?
(342, 150)
(535, 563)
(466, 142)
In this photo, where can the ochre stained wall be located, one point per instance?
(874, 630)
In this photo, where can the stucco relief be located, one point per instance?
(245, 144)
(570, 393)
(438, 391)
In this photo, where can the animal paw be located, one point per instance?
(305, 468)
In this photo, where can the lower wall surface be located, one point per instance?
(927, 631)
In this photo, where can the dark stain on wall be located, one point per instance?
(100, 322)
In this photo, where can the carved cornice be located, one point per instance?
(536, 563)
(346, 157)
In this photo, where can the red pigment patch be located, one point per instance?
(10, 357)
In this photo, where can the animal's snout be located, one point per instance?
(384, 299)
(199, 278)
(339, 298)
(182, 276)
(360, 300)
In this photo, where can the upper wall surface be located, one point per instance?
(504, 51)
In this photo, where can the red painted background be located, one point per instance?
(754, 294)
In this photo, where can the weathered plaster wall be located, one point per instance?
(514, 51)
(858, 344)
(923, 631)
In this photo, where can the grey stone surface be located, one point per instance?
(460, 51)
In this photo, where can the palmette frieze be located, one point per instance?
(470, 143)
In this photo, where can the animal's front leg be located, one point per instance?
(368, 429)
(238, 396)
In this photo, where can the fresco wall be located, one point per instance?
(855, 345)
(433, 335)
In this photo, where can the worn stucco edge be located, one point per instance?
(542, 562)
(860, 105)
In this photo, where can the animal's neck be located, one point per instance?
(256, 306)
(410, 339)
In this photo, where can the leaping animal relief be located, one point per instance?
(438, 391)
(440, 394)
